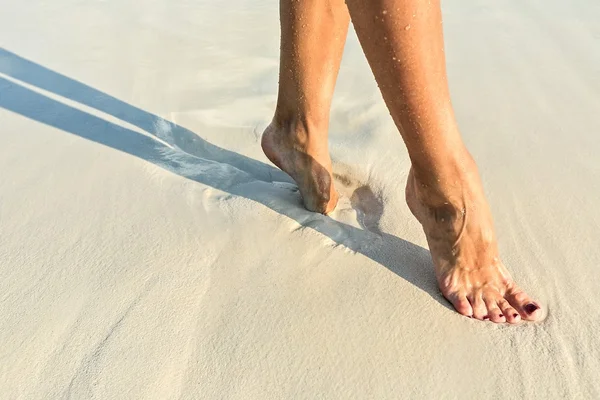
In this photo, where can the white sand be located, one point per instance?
(142, 259)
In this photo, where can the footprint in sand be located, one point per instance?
(358, 204)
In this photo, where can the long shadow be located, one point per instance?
(181, 151)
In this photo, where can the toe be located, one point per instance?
(528, 308)
(493, 310)
(511, 315)
(479, 308)
(461, 304)
(332, 202)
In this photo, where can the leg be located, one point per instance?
(403, 42)
(313, 33)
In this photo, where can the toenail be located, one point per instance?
(500, 315)
(530, 308)
(486, 317)
(515, 315)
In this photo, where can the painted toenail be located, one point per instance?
(530, 308)
(500, 315)
(515, 315)
(486, 317)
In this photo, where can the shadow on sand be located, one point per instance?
(181, 151)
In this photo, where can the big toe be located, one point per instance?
(322, 203)
(333, 201)
(318, 192)
(529, 309)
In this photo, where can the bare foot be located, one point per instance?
(305, 157)
(457, 222)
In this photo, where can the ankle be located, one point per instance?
(446, 184)
(449, 170)
(300, 128)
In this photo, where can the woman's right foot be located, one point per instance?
(304, 155)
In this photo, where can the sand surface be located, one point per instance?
(149, 250)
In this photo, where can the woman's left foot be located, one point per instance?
(458, 224)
